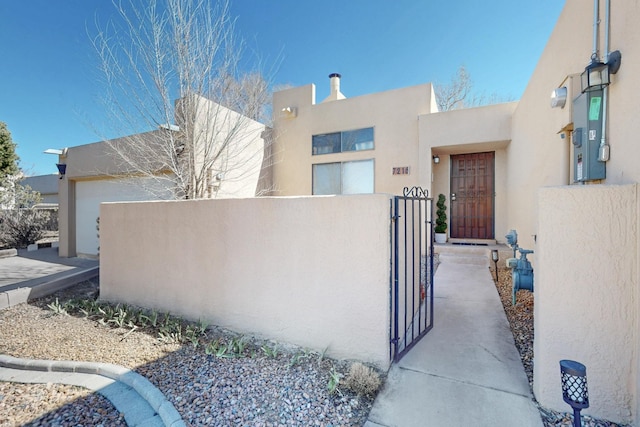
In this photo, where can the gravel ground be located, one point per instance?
(520, 319)
(289, 389)
(207, 391)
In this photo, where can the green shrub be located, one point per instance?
(441, 214)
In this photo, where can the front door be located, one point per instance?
(472, 196)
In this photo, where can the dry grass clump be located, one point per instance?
(362, 380)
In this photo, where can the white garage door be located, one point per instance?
(89, 195)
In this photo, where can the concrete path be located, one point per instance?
(142, 404)
(38, 273)
(466, 371)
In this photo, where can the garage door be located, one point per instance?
(89, 195)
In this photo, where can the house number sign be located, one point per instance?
(401, 170)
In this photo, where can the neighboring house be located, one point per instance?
(522, 165)
(46, 185)
(96, 173)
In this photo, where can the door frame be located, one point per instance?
(491, 204)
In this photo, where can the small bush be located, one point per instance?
(22, 227)
(362, 380)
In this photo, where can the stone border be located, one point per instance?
(23, 294)
(154, 397)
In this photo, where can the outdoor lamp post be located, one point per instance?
(495, 256)
(574, 387)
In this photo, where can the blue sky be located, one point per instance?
(49, 80)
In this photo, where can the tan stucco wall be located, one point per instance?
(537, 157)
(586, 296)
(473, 130)
(298, 270)
(393, 115)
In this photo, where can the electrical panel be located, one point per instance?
(586, 137)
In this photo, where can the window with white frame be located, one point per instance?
(338, 142)
(343, 177)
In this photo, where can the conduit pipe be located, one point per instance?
(604, 149)
(596, 22)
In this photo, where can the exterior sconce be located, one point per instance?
(595, 76)
(574, 387)
(436, 159)
(495, 256)
(62, 169)
(289, 112)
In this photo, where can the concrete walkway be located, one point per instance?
(142, 404)
(466, 371)
(38, 273)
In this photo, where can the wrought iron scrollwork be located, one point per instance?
(415, 192)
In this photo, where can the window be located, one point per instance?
(343, 178)
(338, 142)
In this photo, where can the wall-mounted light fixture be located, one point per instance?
(574, 387)
(436, 159)
(62, 169)
(595, 75)
(289, 112)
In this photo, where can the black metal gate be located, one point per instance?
(411, 269)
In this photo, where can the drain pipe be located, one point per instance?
(604, 149)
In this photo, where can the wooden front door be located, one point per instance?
(472, 193)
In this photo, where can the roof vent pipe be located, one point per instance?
(335, 88)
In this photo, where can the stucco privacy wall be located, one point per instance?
(310, 271)
(586, 306)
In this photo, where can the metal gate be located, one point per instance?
(411, 269)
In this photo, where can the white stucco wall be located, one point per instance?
(310, 271)
(586, 296)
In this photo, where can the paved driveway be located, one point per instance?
(29, 266)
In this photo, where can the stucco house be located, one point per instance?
(540, 166)
(106, 171)
(46, 185)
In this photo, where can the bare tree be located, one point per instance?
(173, 67)
(458, 93)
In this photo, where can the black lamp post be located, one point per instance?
(495, 256)
(574, 387)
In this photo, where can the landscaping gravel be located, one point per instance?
(520, 319)
(287, 389)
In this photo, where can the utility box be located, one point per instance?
(586, 136)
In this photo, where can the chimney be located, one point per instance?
(335, 88)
